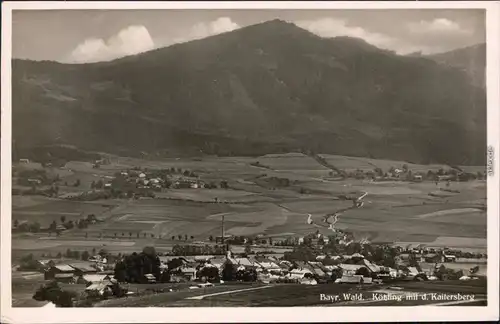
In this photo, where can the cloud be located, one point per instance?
(203, 30)
(128, 41)
(438, 25)
(136, 39)
(330, 27)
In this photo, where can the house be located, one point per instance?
(449, 258)
(352, 279)
(99, 289)
(34, 181)
(43, 265)
(432, 258)
(308, 281)
(319, 272)
(64, 277)
(189, 273)
(24, 161)
(59, 269)
(149, 278)
(244, 262)
(60, 228)
(203, 258)
(350, 269)
(321, 257)
(418, 178)
(446, 177)
(373, 268)
(218, 239)
(218, 263)
(412, 272)
(298, 274)
(92, 278)
(82, 268)
(319, 268)
(357, 256)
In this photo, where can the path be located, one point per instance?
(227, 292)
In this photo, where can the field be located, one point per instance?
(393, 211)
(279, 295)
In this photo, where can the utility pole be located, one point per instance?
(222, 238)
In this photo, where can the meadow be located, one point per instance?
(393, 211)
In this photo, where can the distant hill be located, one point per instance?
(266, 88)
(471, 60)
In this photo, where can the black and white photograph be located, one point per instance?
(333, 159)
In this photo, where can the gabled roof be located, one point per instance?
(203, 257)
(217, 262)
(284, 266)
(64, 267)
(97, 286)
(372, 267)
(83, 267)
(298, 273)
(63, 275)
(318, 271)
(243, 261)
(95, 277)
(269, 265)
(351, 267)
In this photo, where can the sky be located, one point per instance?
(80, 36)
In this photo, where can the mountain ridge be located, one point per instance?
(266, 88)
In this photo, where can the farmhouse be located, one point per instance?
(64, 277)
(43, 265)
(268, 266)
(92, 278)
(351, 269)
(352, 279)
(149, 278)
(449, 258)
(34, 181)
(203, 258)
(299, 273)
(373, 268)
(432, 257)
(82, 268)
(317, 270)
(218, 239)
(62, 270)
(189, 273)
(244, 262)
(413, 271)
(98, 289)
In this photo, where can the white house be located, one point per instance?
(350, 269)
(299, 273)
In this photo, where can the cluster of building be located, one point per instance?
(150, 180)
(353, 268)
(93, 275)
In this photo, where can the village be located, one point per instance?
(189, 259)
(106, 276)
